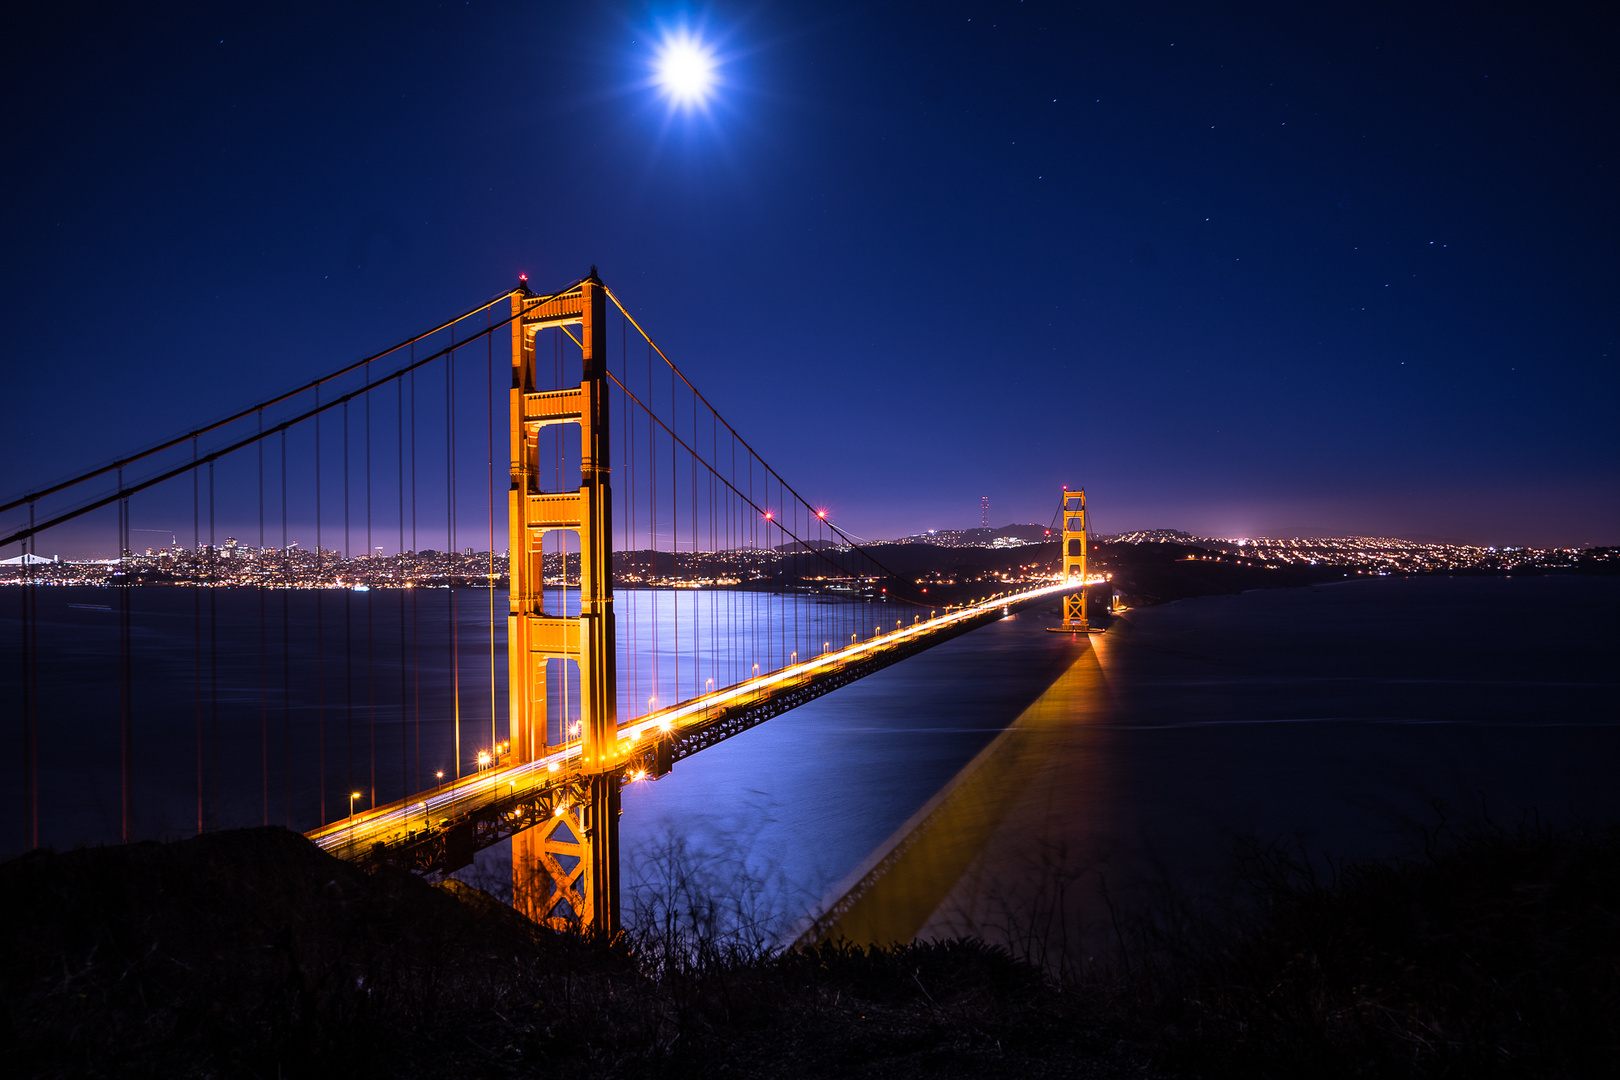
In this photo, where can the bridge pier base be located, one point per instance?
(602, 827)
(565, 871)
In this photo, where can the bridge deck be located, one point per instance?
(439, 831)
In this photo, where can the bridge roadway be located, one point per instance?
(438, 831)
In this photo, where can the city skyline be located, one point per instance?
(81, 544)
(237, 563)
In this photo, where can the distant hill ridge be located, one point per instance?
(1009, 535)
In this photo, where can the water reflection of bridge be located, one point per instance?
(969, 846)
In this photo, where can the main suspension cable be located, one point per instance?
(180, 440)
(224, 451)
(759, 510)
(785, 485)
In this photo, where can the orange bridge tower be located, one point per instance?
(564, 870)
(1076, 536)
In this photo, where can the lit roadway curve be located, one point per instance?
(438, 830)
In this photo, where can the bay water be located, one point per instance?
(1348, 720)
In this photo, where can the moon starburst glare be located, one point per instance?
(685, 69)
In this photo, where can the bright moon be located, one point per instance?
(685, 70)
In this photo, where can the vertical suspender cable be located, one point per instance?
(286, 648)
(692, 531)
(793, 566)
(371, 584)
(630, 544)
(125, 726)
(652, 520)
(675, 547)
(196, 618)
(620, 543)
(779, 573)
(628, 525)
(799, 567)
(347, 555)
(789, 580)
(416, 625)
(700, 502)
(773, 533)
(30, 681)
(264, 646)
(213, 643)
(450, 539)
(714, 598)
(773, 621)
(489, 445)
(697, 611)
(738, 598)
(623, 542)
(733, 542)
(29, 708)
(753, 544)
(320, 624)
(761, 595)
(399, 587)
(562, 541)
(778, 609)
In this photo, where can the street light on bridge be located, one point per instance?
(353, 795)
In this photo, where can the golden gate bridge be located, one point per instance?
(615, 462)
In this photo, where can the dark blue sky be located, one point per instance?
(1244, 270)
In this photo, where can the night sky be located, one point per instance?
(1236, 269)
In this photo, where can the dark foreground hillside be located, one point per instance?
(252, 953)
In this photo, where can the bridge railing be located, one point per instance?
(441, 831)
